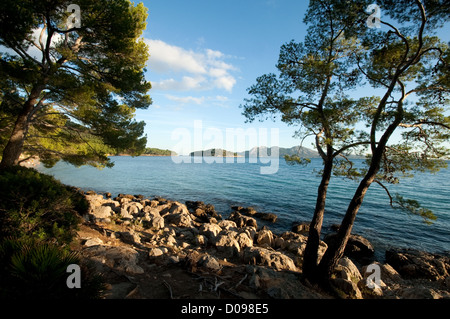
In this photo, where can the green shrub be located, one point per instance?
(36, 206)
(32, 269)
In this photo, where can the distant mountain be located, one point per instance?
(264, 151)
(261, 151)
(150, 151)
(215, 152)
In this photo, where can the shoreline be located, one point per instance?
(379, 253)
(184, 241)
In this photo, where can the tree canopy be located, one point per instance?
(71, 81)
(404, 60)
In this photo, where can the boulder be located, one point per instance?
(178, 215)
(210, 230)
(127, 196)
(296, 244)
(271, 217)
(129, 237)
(155, 252)
(227, 224)
(244, 240)
(94, 200)
(358, 247)
(348, 287)
(102, 212)
(209, 262)
(202, 210)
(242, 220)
(250, 231)
(163, 209)
(250, 211)
(133, 208)
(201, 240)
(151, 210)
(93, 242)
(346, 269)
(265, 238)
(227, 244)
(263, 256)
(418, 264)
(115, 205)
(118, 258)
(153, 221)
(420, 292)
(125, 214)
(388, 275)
(300, 228)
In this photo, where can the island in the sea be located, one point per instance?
(261, 151)
(151, 151)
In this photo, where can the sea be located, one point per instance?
(290, 192)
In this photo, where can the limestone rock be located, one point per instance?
(119, 258)
(93, 242)
(210, 230)
(263, 256)
(209, 262)
(102, 211)
(227, 224)
(125, 214)
(157, 251)
(226, 244)
(347, 287)
(346, 269)
(357, 247)
(244, 240)
(300, 228)
(242, 220)
(417, 264)
(265, 238)
(420, 293)
(130, 237)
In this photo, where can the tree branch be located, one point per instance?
(338, 152)
(391, 200)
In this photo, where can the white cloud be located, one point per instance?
(166, 58)
(221, 98)
(201, 70)
(186, 83)
(186, 99)
(218, 100)
(225, 82)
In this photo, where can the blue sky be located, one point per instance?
(204, 56)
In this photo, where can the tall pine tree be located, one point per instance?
(71, 80)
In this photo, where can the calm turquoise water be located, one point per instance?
(290, 193)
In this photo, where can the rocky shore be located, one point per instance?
(157, 248)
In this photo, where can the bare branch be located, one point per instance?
(391, 200)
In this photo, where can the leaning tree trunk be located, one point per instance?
(310, 258)
(336, 249)
(14, 147)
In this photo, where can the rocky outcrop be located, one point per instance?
(203, 212)
(250, 211)
(137, 239)
(418, 264)
(242, 220)
(358, 247)
(268, 257)
(121, 258)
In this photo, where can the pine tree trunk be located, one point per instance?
(14, 147)
(310, 257)
(336, 249)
